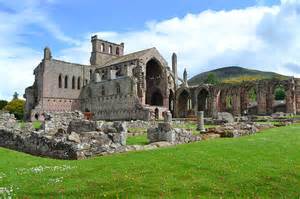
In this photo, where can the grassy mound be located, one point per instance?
(259, 166)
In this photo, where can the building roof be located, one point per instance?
(128, 57)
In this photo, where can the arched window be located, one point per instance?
(59, 81)
(110, 49)
(91, 75)
(66, 81)
(118, 88)
(102, 47)
(78, 83)
(73, 82)
(102, 90)
(118, 51)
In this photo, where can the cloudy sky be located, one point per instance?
(206, 34)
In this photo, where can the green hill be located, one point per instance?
(234, 74)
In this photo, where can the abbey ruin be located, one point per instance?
(141, 86)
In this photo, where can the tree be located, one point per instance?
(3, 103)
(16, 107)
(279, 93)
(211, 79)
(16, 96)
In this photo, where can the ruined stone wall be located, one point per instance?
(297, 94)
(113, 100)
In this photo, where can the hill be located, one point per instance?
(234, 74)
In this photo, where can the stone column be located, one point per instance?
(200, 121)
(290, 101)
(261, 99)
(167, 117)
(236, 103)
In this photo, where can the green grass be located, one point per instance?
(264, 165)
(137, 140)
(35, 124)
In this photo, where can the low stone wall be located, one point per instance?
(165, 132)
(76, 140)
(238, 129)
(60, 120)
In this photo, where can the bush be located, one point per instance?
(279, 93)
(3, 103)
(16, 107)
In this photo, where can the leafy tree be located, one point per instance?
(279, 93)
(3, 103)
(211, 79)
(16, 107)
(16, 96)
(252, 95)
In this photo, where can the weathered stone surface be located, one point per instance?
(74, 137)
(64, 143)
(226, 117)
(164, 132)
(238, 129)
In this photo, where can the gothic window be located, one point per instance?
(66, 81)
(91, 74)
(117, 51)
(73, 82)
(78, 83)
(102, 48)
(110, 49)
(59, 81)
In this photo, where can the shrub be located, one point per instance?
(16, 107)
(3, 103)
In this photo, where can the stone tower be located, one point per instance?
(174, 67)
(103, 51)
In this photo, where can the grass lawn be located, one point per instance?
(137, 140)
(264, 165)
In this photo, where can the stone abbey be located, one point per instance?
(141, 86)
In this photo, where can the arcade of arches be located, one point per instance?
(261, 97)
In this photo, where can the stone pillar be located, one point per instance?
(200, 121)
(167, 117)
(214, 106)
(236, 103)
(290, 101)
(261, 99)
(269, 100)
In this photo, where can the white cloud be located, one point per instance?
(259, 37)
(18, 60)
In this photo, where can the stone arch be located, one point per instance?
(154, 75)
(60, 81)
(73, 82)
(102, 47)
(66, 81)
(202, 100)
(171, 101)
(279, 98)
(156, 99)
(91, 74)
(183, 103)
(117, 51)
(110, 49)
(78, 83)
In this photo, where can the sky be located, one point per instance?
(206, 34)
